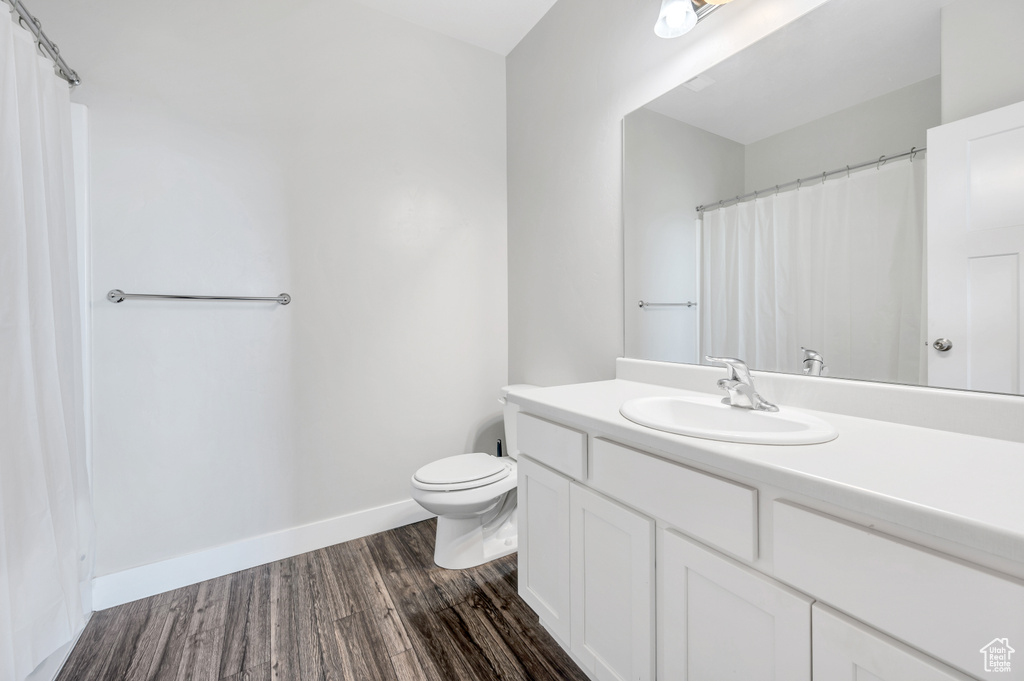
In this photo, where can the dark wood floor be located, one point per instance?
(374, 609)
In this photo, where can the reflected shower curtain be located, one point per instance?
(45, 506)
(837, 267)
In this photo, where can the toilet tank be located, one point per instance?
(511, 448)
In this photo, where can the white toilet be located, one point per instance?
(474, 497)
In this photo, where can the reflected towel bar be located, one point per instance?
(117, 295)
(686, 304)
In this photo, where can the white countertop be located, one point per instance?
(962, 488)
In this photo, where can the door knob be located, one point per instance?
(942, 344)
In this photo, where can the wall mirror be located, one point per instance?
(807, 151)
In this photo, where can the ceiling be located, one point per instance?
(495, 25)
(843, 53)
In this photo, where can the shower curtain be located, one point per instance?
(45, 505)
(835, 266)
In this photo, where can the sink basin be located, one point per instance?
(709, 418)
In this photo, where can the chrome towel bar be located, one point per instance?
(117, 295)
(686, 304)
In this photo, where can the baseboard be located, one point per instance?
(149, 580)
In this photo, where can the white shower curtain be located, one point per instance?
(45, 506)
(835, 266)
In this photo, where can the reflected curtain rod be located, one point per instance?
(45, 45)
(881, 161)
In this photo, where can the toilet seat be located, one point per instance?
(464, 471)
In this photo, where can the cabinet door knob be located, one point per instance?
(942, 344)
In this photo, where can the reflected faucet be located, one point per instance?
(814, 363)
(740, 385)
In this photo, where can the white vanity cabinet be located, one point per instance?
(587, 566)
(646, 568)
(586, 563)
(719, 620)
(940, 605)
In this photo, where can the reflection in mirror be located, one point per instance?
(807, 153)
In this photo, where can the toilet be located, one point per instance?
(474, 497)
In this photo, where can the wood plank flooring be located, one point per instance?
(373, 609)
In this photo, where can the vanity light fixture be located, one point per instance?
(677, 17)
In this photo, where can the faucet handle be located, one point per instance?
(814, 363)
(738, 370)
(810, 354)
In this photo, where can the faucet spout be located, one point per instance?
(740, 385)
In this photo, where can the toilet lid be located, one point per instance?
(462, 472)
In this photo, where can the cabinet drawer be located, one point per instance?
(846, 650)
(555, 446)
(720, 513)
(935, 603)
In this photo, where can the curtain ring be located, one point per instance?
(720, 204)
(881, 162)
(823, 177)
(847, 172)
(798, 184)
(913, 153)
(776, 190)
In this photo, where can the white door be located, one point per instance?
(544, 544)
(719, 620)
(975, 247)
(846, 650)
(612, 557)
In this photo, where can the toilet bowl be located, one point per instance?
(474, 497)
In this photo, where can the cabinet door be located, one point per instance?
(612, 559)
(543, 519)
(846, 650)
(719, 620)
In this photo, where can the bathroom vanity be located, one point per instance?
(895, 551)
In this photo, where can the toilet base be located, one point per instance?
(467, 542)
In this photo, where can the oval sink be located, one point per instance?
(709, 418)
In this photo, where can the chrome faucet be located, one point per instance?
(814, 363)
(740, 385)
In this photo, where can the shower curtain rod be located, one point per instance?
(45, 45)
(882, 160)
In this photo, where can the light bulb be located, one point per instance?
(676, 18)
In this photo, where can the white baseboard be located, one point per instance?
(149, 580)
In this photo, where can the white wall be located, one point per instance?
(320, 148)
(669, 168)
(982, 56)
(569, 83)
(890, 124)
